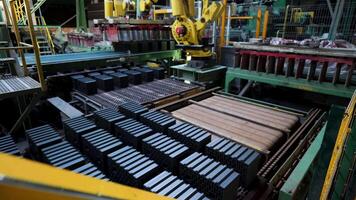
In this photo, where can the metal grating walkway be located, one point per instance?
(12, 86)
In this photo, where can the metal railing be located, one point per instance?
(20, 10)
(21, 45)
(300, 22)
(233, 18)
(44, 30)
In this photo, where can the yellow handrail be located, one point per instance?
(48, 35)
(338, 148)
(33, 39)
(20, 11)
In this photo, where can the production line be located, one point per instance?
(181, 99)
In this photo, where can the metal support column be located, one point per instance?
(2, 17)
(258, 22)
(138, 12)
(246, 88)
(25, 113)
(265, 24)
(331, 10)
(228, 25)
(81, 16)
(7, 14)
(336, 19)
(223, 27)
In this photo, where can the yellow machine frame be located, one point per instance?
(118, 8)
(25, 179)
(145, 5)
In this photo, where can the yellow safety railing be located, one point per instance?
(21, 45)
(45, 31)
(20, 11)
(344, 131)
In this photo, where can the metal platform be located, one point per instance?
(11, 86)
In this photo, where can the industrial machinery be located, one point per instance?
(118, 8)
(189, 32)
(325, 71)
(116, 124)
(145, 5)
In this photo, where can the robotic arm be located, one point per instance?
(189, 32)
(145, 5)
(118, 8)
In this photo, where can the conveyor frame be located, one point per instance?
(80, 61)
(288, 67)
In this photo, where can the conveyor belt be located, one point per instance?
(12, 85)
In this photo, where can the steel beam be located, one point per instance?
(331, 10)
(26, 112)
(81, 16)
(337, 15)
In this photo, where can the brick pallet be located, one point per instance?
(191, 135)
(244, 160)
(130, 167)
(76, 127)
(107, 118)
(165, 151)
(169, 185)
(132, 132)
(213, 178)
(98, 144)
(8, 146)
(41, 137)
(157, 120)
